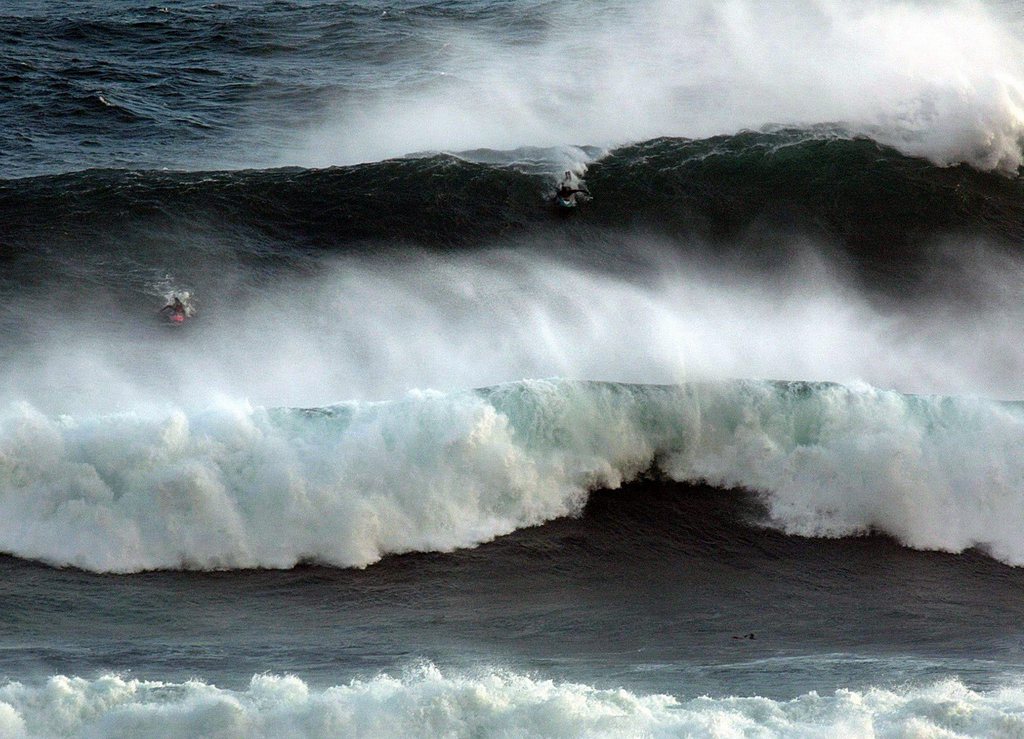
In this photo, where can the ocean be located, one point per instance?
(732, 448)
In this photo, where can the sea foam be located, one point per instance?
(239, 486)
(428, 703)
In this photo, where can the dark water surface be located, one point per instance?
(651, 586)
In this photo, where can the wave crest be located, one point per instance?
(241, 487)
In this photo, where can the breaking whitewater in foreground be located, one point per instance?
(426, 703)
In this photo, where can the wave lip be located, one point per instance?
(242, 487)
(425, 702)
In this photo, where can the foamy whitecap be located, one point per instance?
(240, 486)
(428, 703)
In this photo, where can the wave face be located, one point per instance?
(755, 192)
(427, 703)
(240, 487)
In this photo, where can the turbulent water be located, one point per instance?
(732, 448)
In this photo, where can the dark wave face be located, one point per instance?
(754, 195)
(669, 575)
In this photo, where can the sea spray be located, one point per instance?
(937, 80)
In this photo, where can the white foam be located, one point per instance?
(940, 80)
(427, 703)
(240, 486)
(374, 328)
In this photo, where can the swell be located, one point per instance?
(241, 487)
(881, 207)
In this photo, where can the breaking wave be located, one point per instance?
(428, 703)
(240, 486)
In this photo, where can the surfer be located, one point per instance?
(176, 310)
(566, 193)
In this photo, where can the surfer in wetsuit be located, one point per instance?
(176, 308)
(566, 191)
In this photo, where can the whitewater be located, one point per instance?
(427, 703)
(245, 486)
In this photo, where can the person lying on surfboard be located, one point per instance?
(566, 191)
(177, 310)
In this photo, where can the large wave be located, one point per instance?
(941, 80)
(937, 80)
(428, 703)
(854, 192)
(241, 486)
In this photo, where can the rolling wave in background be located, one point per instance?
(292, 85)
(941, 81)
(766, 188)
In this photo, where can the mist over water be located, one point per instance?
(939, 80)
(367, 328)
